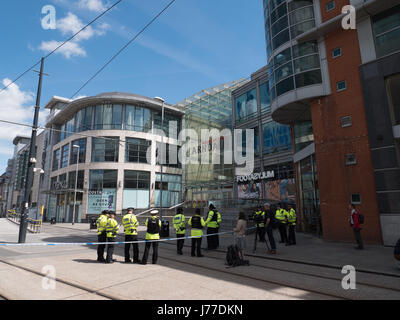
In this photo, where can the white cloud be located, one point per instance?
(68, 50)
(92, 5)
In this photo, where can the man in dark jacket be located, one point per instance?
(270, 220)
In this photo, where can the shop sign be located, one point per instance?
(256, 176)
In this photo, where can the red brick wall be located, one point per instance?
(336, 180)
(339, 4)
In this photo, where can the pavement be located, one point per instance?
(79, 276)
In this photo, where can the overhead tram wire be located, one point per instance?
(123, 48)
(62, 44)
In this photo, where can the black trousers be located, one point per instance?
(283, 232)
(196, 246)
(110, 249)
(135, 247)
(212, 241)
(147, 250)
(101, 247)
(261, 234)
(357, 236)
(292, 234)
(179, 243)
(271, 237)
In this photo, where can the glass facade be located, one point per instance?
(136, 150)
(74, 151)
(56, 160)
(64, 156)
(276, 137)
(246, 105)
(119, 117)
(105, 149)
(136, 189)
(71, 179)
(386, 27)
(393, 91)
(172, 190)
(303, 135)
(102, 190)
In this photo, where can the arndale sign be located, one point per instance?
(256, 176)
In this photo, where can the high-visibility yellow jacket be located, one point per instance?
(179, 224)
(112, 228)
(101, 223)
(281, 215)
(259, 218)
(212, 220)
(196, 231)
(130, 223)
(292, 217)
(152, 236)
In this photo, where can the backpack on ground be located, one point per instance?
(232, 257)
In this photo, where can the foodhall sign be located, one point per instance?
(256, 176)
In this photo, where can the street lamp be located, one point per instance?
(161, 156)
(76, 181)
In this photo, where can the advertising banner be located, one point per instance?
(99, 200)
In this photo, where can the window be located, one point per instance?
(71, 179)
(100, 179)
(341, 85)
(336, 52)
(105, 149)
(64, 156)
(83, 119)
(136, 150)
(303, 135)
(393, 92)
(172, 189)
(108, 117)
(355, 198)
(346, 122)
(276, 137)
(74, 151)
(56, 159)
(171, 158)
(246, 105)
(137, 119)
(308, 78)
(330, 6)
(386, 27)
(102, 190)
(70, 128)
(170, 122)
(264, 97)
(350, 159)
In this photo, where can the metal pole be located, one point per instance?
(162, 161)
(31, 163)
(76, 182)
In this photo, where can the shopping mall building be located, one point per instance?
(110, 141)
(339, 91)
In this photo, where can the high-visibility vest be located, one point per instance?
(292, 217)
(130, 223)
(259, 218)
(153, 228)
(101, 223)
(179, 224)
(112, 228)
(197, 223)
(281, 215)
(213, 219)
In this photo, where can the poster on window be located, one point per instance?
(250, 190)
(280, 190)
(99, 200)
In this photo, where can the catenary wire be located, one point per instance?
(62, 44)
(123, 48)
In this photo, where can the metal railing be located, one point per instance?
(34, 226)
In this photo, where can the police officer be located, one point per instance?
(112, 231)
(153, 225)
(213, 222)
(259, 219)
(292, 219)
(269, 221)
(130, 224)
(281, 217)
(180, 227)
(197, 223)
(101, 234)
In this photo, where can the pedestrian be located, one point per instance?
(112, 231)
(197, 223)
(292, 219)
(269, 224)
(180, 227)
(213, 222)
(281, 217)
(131, 224)
(240, 234)
(153, 225)
(259, 219)
(356, 225)
(101, 223)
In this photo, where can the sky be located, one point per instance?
(194, 45)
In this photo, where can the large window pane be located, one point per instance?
(301, 28)
(282, 57)
(136, 189)
(117, 117)
(279, 26)
(306, 63)
(136, 150)
(303, 135)
(71, 179)
(280, 39)
(105, 150)
(264, 97)
(393, 89)
(386, 21)
(308, 78)
(172, 189)
(246, 105)
(74, 151)
(388, 43)
(64, 156)
(305, 49)
(102, 190)
(284, 71)
(56, 159)
(284, 86)
(301, 15)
